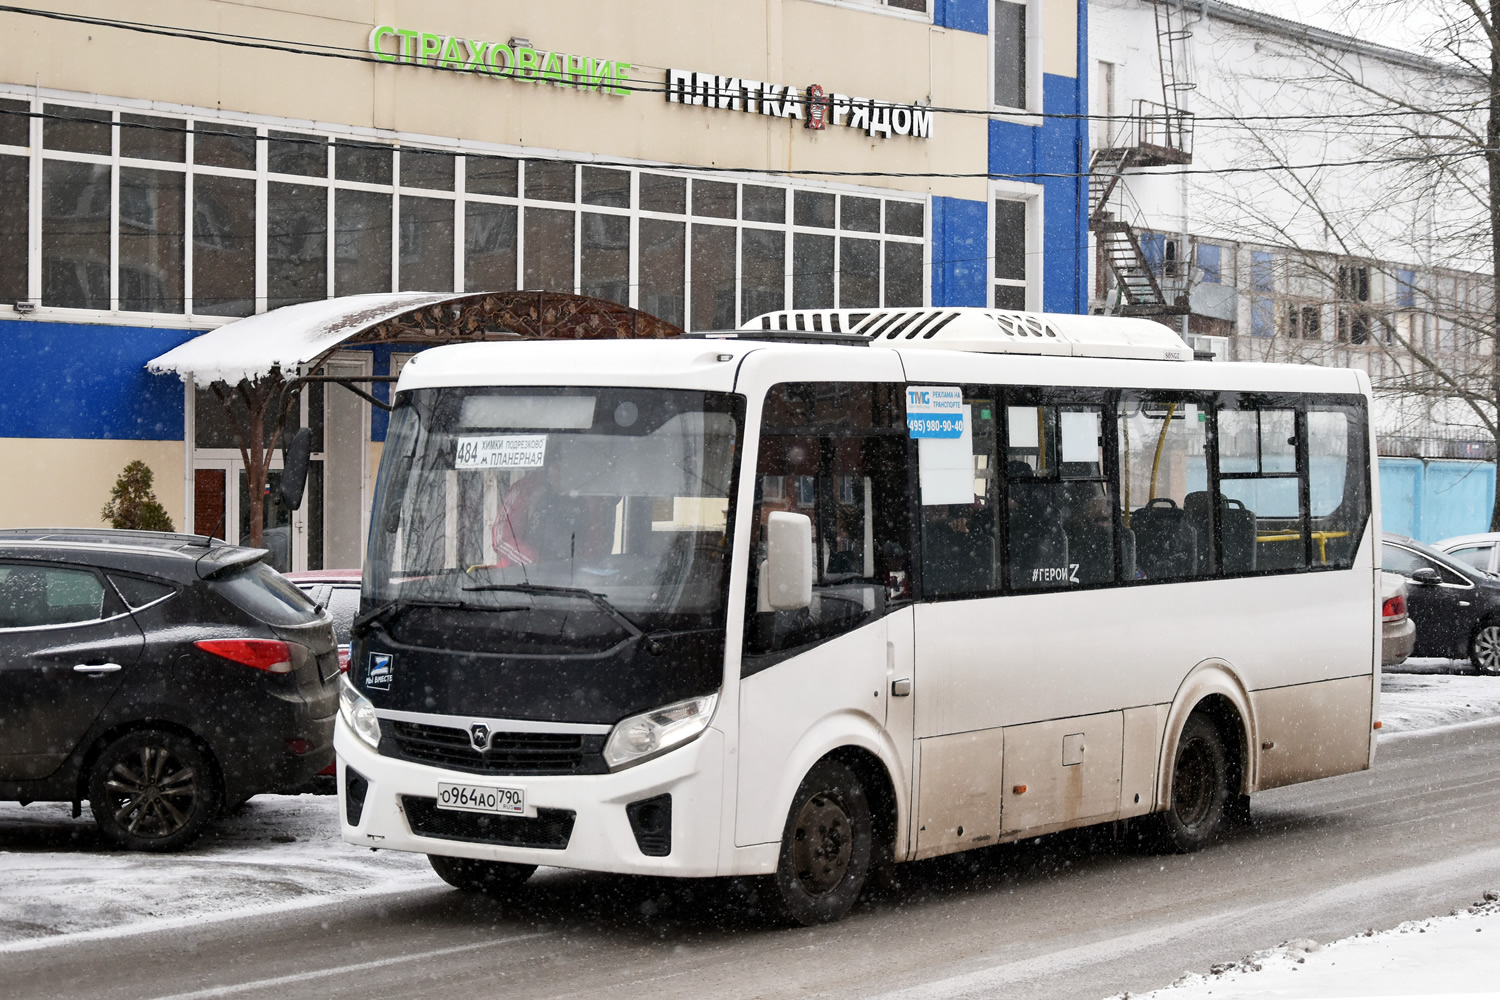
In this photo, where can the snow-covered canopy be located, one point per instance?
(285, 337)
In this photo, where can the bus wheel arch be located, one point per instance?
(1214, 691)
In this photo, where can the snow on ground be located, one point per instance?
(276, 852)
(1450, 956)
(279, 852)
(1425, 694)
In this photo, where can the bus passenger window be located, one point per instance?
(959, 539)
(1162, 468)
(1260, 516)
(1060, 527)
(1337, 491)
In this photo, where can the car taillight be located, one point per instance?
(270, 655)
(1394, 607)
(344, 658)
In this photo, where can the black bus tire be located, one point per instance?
(825, 849)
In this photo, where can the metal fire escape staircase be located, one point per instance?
(1154, 135)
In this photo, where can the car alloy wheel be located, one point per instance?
(152, 791)
(1484, 649)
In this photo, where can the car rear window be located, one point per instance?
(343, 605)
(269, 596)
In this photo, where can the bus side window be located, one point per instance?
(1260, 529)
(1060, 528)
(960, 540)
(1338, 494)
(1162, 466)
(835, 452)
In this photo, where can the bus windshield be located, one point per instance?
(610, 505)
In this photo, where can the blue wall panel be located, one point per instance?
(1054, 155)
(1435, 499)
(962, 15)
(71, 380)
(960, 242)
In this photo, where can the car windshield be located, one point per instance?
(585, 502)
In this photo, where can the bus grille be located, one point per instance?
(509, 753)
(551, 829)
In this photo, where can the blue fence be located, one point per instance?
(1433, 499)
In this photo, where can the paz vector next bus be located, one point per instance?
(847, 589)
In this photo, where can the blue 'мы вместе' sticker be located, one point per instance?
(380, 672)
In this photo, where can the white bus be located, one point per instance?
(850, 589)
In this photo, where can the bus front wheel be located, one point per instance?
(493, 878)
(1200, 789)
(825, 849)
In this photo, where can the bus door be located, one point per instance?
(839, 670)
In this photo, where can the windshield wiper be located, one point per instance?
(599, 600)
(374, 616)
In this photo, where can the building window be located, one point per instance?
(1010, 254)
(15, 199)
(916, 6)
(1353, 311)
(1008, 32)
(1262, 316)
(1210, 267)
(1261, 270)
(1304, 322)
(279, 217)
(1406, 289)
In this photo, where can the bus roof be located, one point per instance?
(724, 365)
(986, 331)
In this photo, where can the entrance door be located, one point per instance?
(345, 433)
(225, 513)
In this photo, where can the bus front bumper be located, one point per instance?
(400, 798)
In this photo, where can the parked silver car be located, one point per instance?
(1398, 633)
(1482, 551)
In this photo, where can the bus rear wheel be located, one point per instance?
(1200, 789)
(493, 878)
(825, 849)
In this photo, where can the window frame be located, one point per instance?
(195, 120)
(1209, 402)
(111, 606)
(1031, 52)
(1030, 196)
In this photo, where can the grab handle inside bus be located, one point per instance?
(789, 560)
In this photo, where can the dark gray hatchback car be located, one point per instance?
(161, 677)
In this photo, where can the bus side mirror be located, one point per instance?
(1426, 576)
(294, 462)
(789, 561)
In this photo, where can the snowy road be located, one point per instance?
(1060, 917)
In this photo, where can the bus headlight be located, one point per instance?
(644, 736)
(358, 712)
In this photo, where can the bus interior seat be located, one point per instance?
(1090, 531)
(1236, 531)
(1038, 539)
(1166, 544)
